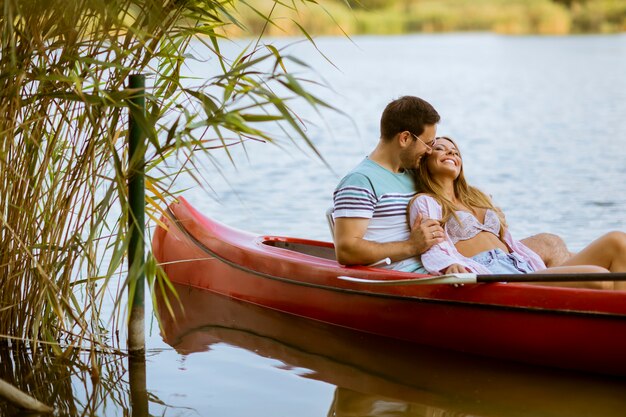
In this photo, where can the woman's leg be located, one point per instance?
(578, 269)
(609, 251)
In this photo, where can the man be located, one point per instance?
(370, 202)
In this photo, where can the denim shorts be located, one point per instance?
(499, 262)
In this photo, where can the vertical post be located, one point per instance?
(137, 381)
(136, 220)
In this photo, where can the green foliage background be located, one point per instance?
(384, 17)
(64, 106)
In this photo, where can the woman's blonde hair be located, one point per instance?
(468, 195)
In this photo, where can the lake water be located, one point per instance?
(541, 123)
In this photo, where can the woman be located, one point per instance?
(476, 236)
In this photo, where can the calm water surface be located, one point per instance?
(540, 121)
(541, 124)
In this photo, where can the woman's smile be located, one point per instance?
(449, 160)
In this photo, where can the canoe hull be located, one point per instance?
(574, 329)
(379, 368)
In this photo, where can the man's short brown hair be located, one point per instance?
(407, 113)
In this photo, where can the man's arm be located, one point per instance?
(352, 249)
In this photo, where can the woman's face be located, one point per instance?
(445, 159)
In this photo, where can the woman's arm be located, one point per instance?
(441, 256)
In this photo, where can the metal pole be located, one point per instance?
(136, 219)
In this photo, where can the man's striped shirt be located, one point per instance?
(373, 192)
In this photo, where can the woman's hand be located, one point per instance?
(456, 269)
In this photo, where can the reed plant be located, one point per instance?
(64, 107)
(49, 379)
(70, 386)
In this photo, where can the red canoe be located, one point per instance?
(563, 327)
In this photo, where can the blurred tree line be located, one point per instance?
(549, 17)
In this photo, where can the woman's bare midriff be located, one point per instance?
(482, 242)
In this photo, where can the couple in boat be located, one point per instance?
(452, 227)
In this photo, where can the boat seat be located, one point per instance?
(331, 222)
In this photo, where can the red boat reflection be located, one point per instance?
(376, 373)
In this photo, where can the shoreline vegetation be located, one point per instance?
(394, 17)
(65, 103)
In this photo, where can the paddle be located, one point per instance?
(474, 278)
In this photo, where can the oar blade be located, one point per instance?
(466, 278)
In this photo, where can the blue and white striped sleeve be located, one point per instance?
(354, 197)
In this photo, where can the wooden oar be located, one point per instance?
(469, 278)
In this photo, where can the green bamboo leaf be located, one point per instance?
(279, 58)
(208, 103)
(261, 118)
(306, 34)
(63, 156)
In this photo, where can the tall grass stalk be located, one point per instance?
(63, 166)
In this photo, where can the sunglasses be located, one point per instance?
(428, 145)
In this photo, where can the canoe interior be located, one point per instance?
(319, 251)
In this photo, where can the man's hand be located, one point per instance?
(352, 249)
(425, 233)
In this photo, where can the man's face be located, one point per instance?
(419, 146)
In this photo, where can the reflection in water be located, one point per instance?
(349, 403)
(381, 377)
(76, 386)
(137, 382)
(47, 379)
